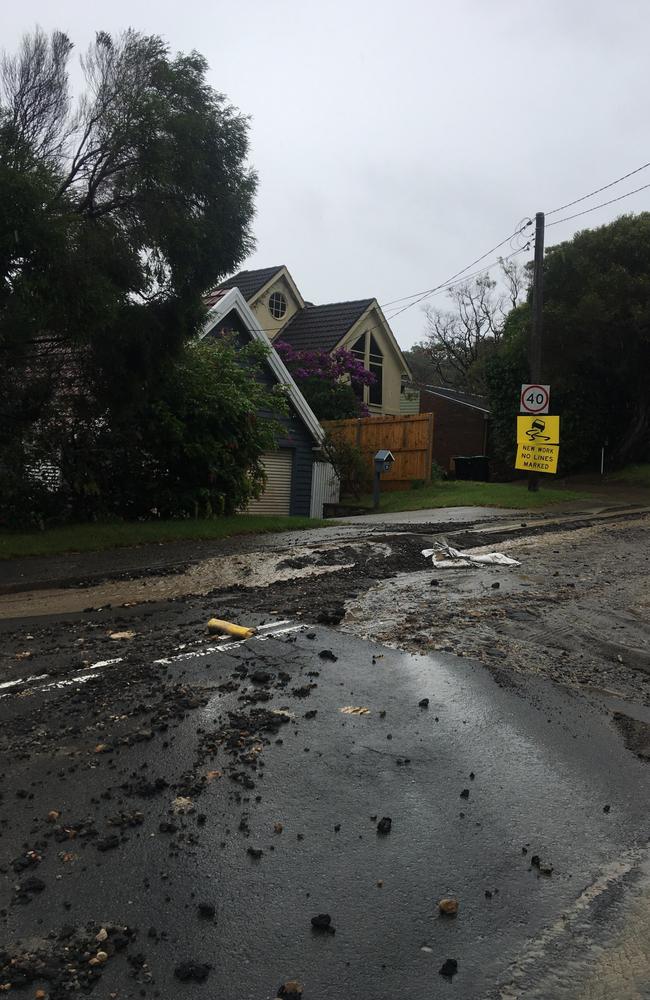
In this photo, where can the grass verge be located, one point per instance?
(455, 493)
(631, 475)
(117, 534)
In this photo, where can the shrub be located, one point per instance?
(350, 465)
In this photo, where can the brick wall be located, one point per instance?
(458, 429)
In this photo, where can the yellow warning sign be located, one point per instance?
(537, 457)
(538, 430)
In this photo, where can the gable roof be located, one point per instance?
(232, 300)
(249, 283)
(463, 398)
(322, 327)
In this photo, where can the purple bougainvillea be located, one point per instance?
(321, 364)
(337, 368)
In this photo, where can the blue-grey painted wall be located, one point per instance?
(297, 436)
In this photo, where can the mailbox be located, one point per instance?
(383, 462)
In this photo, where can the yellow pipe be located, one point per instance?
(228, 628)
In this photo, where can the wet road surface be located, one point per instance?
(494, 772)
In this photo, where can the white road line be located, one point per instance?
(22, 680)
(81, 678)
(280, 631)
(270, 630)
(225, 646)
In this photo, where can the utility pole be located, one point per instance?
(536, 329)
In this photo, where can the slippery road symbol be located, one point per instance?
(536, 431)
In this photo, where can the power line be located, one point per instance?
(459, 281)
(439, 289)
(598, 190)
(422, 295)
(454, 279)
(416, 297)
(601, 205)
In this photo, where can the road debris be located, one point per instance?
(291, 990)
(233, 738)
(542, 866)
(182, 804)
(222, 627)
(99, 958)
(323, 922)
(445, 556)
(355, 710)
(384, 825)
(449, 968)
(192, 972)
(108, 843)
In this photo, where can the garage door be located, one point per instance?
(276, 498)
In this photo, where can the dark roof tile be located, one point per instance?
(322, 327)
(249, 283)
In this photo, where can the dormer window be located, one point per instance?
(277, 305)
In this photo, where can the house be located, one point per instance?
(298, 480)
(410, 401)
(358, 326)
(460, 423)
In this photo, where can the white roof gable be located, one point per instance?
(234, 301)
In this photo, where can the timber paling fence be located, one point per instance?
(409, 438)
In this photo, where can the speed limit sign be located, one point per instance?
(534, 398)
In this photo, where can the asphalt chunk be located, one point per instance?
(449, 968)
(323, 922)
(192, 972)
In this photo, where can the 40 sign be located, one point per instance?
(534, 398)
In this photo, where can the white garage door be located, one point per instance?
(276, 498)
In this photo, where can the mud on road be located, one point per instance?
(129, 748)
(577, 609)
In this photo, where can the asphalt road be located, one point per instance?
(493, 773)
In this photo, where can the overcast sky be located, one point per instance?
(395, 142)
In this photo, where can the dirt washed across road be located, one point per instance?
(180, 814)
